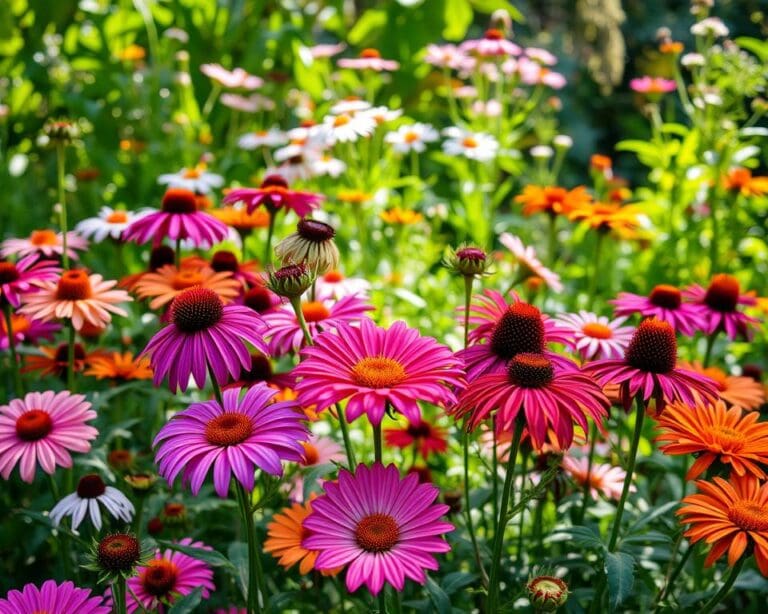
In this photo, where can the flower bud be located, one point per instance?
(547, 593)
(291, 281)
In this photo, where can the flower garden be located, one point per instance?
(411, 306)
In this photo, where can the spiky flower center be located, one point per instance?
(159, 577)
(118, 553)
(8, 272)
(520, 329)
(224, 260)
(258, 298)
(597, 330)
(419, 430)
(547, 592)
(179, 200)
(91, 486)
(315, 311)
(370, 53)
(378, 372)
(117, 217)
(260, 371)
(43, 237)
(274, 181)
(723, 293)
(317, 232)
(73, 286)
(291, 271)
(196, 309)
(749, 515)
(377, 533)
(471, 253)
(311, 454)
(228, 429)
(175, 510)
(191, 173)
(161, 256)
(33, 424)
(666, 296)
(653, 347)
(529, 370)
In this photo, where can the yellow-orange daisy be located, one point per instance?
(396, 215)
(119, 366)
(239, 218)
(733, 389)
(553, 200)
(741, 180)
(624, 221)
(163, 285)
(354, 197)
(132, 53)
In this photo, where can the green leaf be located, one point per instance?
(650, 516)
(213, 558)
(439, 599)
(188, 603)
(238, 556)
(585, 537)
(457, 580)
(370, 23)
(489, 6)
(756, 46)
(620, 569)
(458, 18)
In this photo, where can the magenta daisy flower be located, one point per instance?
(665, 303)
(546, 397)
(274, 194)
(649, 369)
(596, 336)
(233, 438)
(171, 574)
(17, 279)
(284, 332)
(385, 528)
(26, 330)
(374, 367)
(178, 218)
(54, 598)
(719, 303)
(44, 427)
(505, 330)
(203, 334)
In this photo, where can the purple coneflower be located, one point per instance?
(54, 598)
(17, 279)
(274, 194)
(665, 303)
(719, 303)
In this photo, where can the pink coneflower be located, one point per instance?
(423, 436)
(171, 574)
(444, 56)
(385, 528)
(719, 303)
(231, 439)
(493, 44)
(602, 478)
(235, 78)
(27, 330)
(528, 263)
(546, 396)
(17, 279)
(652, 85)
(248, 104)
(44, 427)
(45, 242)
(596, 336)
(665, 303)
(274, 194)
(203, 334)
(374, 367)
(505, 330)
(284, 332)
(76, 296)
(326, 50)
(54, 598)
(369, 59)
(648, 369)
(178, 218)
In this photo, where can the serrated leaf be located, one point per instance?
(187, 603)
(213, 558)
(620, 570)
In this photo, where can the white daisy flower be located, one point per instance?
(326, 164)
(710, 25)
(108, 223)
(333, 285)
(478, 146)
(91, 491)
(345, 128)
(413, 137)
(262, 138)
(383, 114)
(195, 179)
(596, 336)
(350, 106)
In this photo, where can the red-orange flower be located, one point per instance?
(119, 366)
(54, 360)
(741, 180)
(552, 199)
(733, 389)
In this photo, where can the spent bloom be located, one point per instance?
(92, 491)
(313, 244)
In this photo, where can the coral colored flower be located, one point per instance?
(27, 330)
(121, 367)
(652, 85)
(730, 515)
(195, 179)
(741, 181)
(622, 220)
(603, 478)
(552, 199)
(533, 390)
(45, 242)
(334, 285)
(54, 360)
(369, 59)
(423, 436)
(237, 78)
(665, 303)
(168, 282)
(54, 598)
(386, 529)
(713, 432)
(231, 439)
(91, 490)
(76, 296)
(284, 333)
(733, 389)
(374, 367)
(274, 194)
(528, 263)
(720, 302)
(596, 336)
(44, 427)
(171, 574)
(493, 44)
(649, 369)
(108, 223)
(320, 451)
(17, 279)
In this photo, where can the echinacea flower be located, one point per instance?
(204, 334)
(122, 367)
(375, 367)
(44, 427)
(652, 85)
(602, 477)
(334, 285)
(528, 263)
(596, 336)
(313, 244)
(17, 279)
(55, 360)
(232, 438)
(26, 330)
(444, 56)
(384, 528)
(195, 179)
(478, 146)
(92, 491)
(274, 194)
(426, 438)
(167, 282)
(493, 44)
(552, 200)
(733, 389)
(412, 137)
(44, 242)
(730, 515)
(76, 296)
(369, 59)
(108, 223)
(720, 302)
(237, 78)
(54, 598)
(665, 302)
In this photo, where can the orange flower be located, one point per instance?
(168, 281)
(730, 515)
(54, 360)
(733, 389)
(118, 366)
(396, 215)
(624, 221)
(355, 197)
(552, 199)
(239, 218)
(741, 180)
(132, 53)
(600, 163)
(671, 47)
(715, 433)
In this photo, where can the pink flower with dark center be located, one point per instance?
(55, 598)
(17, 279)
(274, 194)
(719, 304)
(369, 59)
(596, 336)
(493, 44)
(426, 438)
(665, 303)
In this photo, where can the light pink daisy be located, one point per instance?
(720, 302)
(274, 194)
(44, 427)
(528, 263)
(237, 78)
(369, 59)
(444, 56)
(596, 336)
(55, 598)
(493, 44)
(334, 285)
(602, 477)
(45, 242)
(320, 451)
(17, 279)
(665, 303)
(326, 50)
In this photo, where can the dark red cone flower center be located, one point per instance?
(118, 553)
(274, 181)
(179, 200)
(161, 256)
(73, 286)
(90, 486)
(228, 429)
(377, 533)
(315, 231)
(196, 309)
(666, 296)
(653, 347)
(723, 293)
(471, 253)
(33, 425)
(529, 370)
(8, 272)
(520, 329)
(224, 260)
(419, 430)
(260, 371)
(159, 578)
(258, 298)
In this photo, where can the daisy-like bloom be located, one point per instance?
(386, 529)
(423, 436)
(649, 369)
(44, 427)
(545, 396)
(347, 128)
(168, 282)
(652, 85)
(720, 302)
(237, 217)
(529, 263)
(283, 331)
(326, 164)
(665, 302)
(603, 478)
(204, 333)
(274, 137)
(552, 200)
(334, 285)
(26, 330)
(731, 516)
(108, 223)
(17, 279)
(493, 44)
(195, 179)
(596, 336)
(168, 576)
(231, 439)
(121, 367)
(353, 197)
(44, 242)
(382, 115)
(91, 491)
(710, 26)
(53, 598)
(320, 451)
(740, 180)
(714, 432)
(444, 56)
(237, 78)
(54, 360)
(375, 367)
(404, 217)
(76, 296)
(412, 137)
(369, 59)
(313, 244)
(478, 146)
(248, 104)
(733, 389)
(622, 220)
(178, 218)
(326, 50)
(274, 194)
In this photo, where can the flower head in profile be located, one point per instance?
(384, 528)
(423, 436)
(528, 262)
(274, 194)
(740, 390)
(18, 278)
(652, 86)
(313, 244)
(334, 285)
(620, 220)
(45, 243)
(478, 146)
(666, 303)
(720, 303)
(108, 223)
(493, 44)
(594, 336)
(369, 59)
(54, 598)
(552, 200)
(602, 477)
(55, 359)
(469, 261)
(196, 179)
(92, 491)
(237, 78)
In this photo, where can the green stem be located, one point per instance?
(377, 442)
(468, 282)
(345, 436)
(118, 588)
(725, 588)
(255, 580)
(592, 292)
(495, 480)
(587, 482)
(215, 385)
(17, 383)
(71, 358)
(270, 232)
(552, 251)
(708, 350)
(296, 304)
(672, 573)
(468, 510)
(382, 600)
(60, 175)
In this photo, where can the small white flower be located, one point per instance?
(326, 164)
(562, 141)
(345, 128)
(478, 146)
(195, 179)
(383, 114)
(91, 491)
(108, 223)
(333, 285)
(262, 138)
(350, 107)
(543, 152)
(690, 60)
(413, 137)
(710, 25)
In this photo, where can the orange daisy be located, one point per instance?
(396, 215)
(733, 389)
(730, 515)
(239, 218)
(164, 284)
(741, 180)
(76, 296)
(622, 220)
(552, 199)
(715, 433)
(54, 360)
(117, 366)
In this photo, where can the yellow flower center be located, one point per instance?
(341, 120)
(411, 136)
(378, 372)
